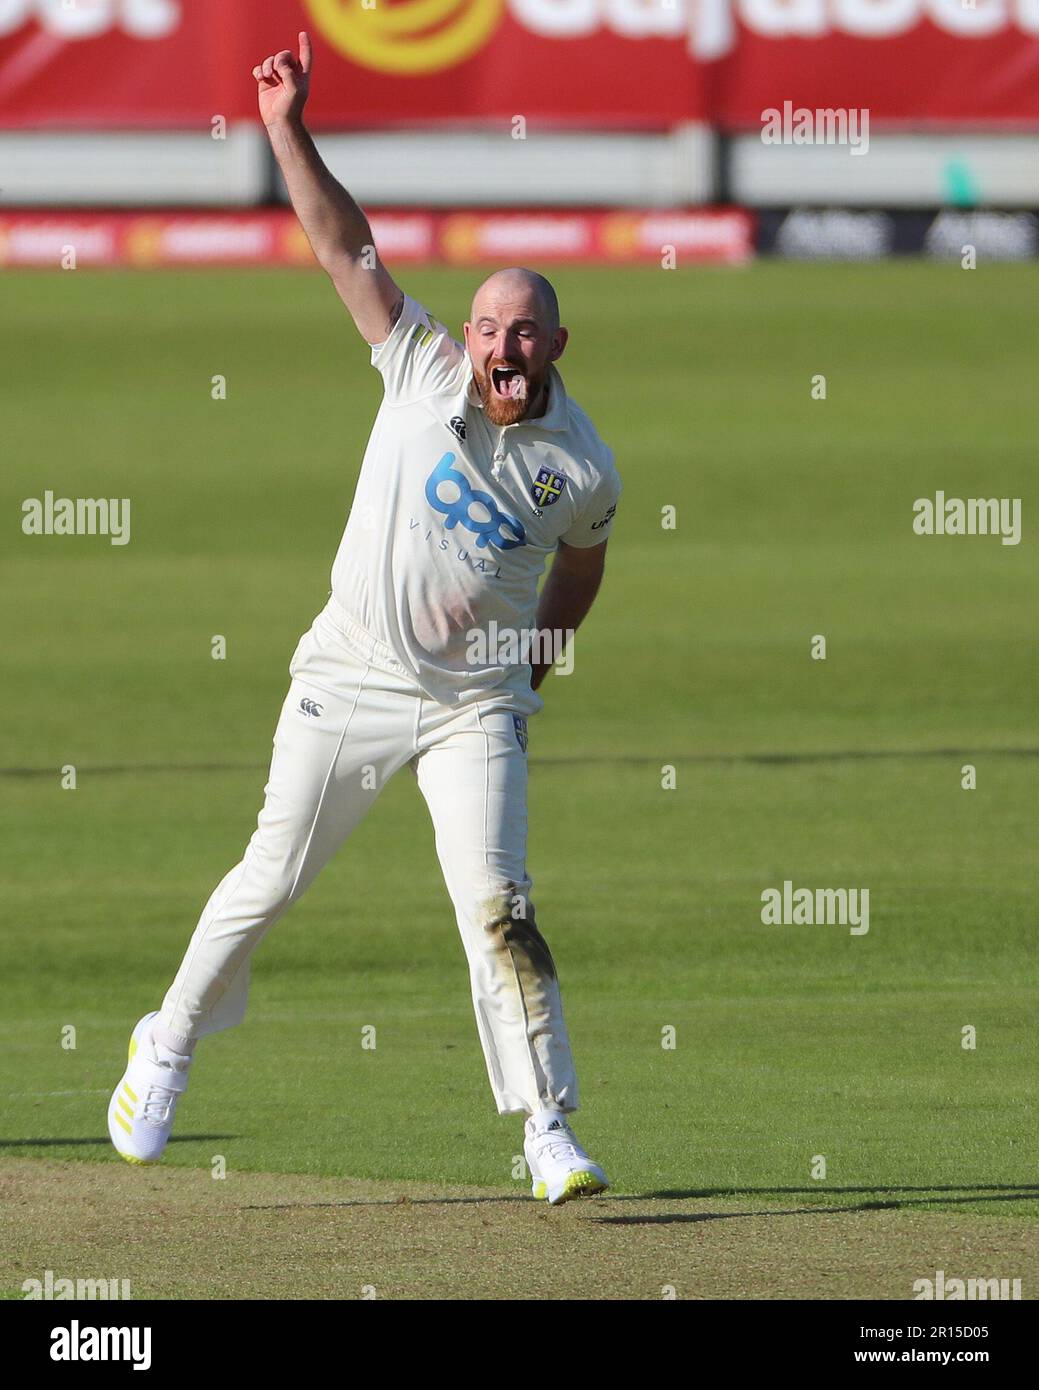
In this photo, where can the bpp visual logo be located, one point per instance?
(460, 509)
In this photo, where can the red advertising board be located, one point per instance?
(163, 63)
(602, 63)
(59, 241)
(920, 63)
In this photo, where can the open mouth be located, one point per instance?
(509, 383)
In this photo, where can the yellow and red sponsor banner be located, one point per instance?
(177, 63)
(60, 241)
(600, 63)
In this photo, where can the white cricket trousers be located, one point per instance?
(351, 719)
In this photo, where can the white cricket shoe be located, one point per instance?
(140, 1113)
(559, 1167)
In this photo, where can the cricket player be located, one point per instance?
(479, 468)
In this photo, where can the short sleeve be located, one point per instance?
(594, 522)
(419, 358)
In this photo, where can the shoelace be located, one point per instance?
(158, 1105)
(558, 1147)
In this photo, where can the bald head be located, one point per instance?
(512, 339)
(515, 284)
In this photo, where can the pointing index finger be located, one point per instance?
(304, 50)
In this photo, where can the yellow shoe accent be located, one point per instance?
(123, 1106)
(540, 1190)
(580, 1185)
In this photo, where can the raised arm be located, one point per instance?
(336, 227)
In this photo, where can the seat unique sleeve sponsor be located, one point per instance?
(419, 358)
(594, 521)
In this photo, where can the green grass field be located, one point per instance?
(793, 519)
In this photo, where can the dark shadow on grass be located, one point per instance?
(387, 1201)
(1006, 1193)
(684, 1193)
(893, 1204)
(580, 760)
(105, 1142)
(884, 1198)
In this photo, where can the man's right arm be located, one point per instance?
(336, 227)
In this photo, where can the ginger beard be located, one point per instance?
(507, 391)
(512, 340)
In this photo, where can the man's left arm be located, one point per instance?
(566, 596)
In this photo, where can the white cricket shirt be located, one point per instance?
(454, 518)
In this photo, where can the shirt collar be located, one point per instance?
(556, 417)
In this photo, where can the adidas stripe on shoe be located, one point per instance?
(141, 1111)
